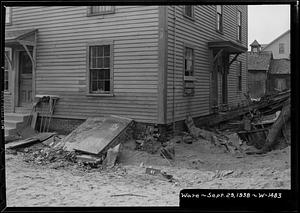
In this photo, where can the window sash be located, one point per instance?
(96, 10)
(188, 11)
(219, 9)
(281, 48)
(100, 68)
(189, 62)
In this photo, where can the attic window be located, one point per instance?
(281, 48)
(100, 10)
(188, 11)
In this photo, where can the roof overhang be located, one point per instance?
(228, 46)
(16, 37)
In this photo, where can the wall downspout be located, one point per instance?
(174, 69)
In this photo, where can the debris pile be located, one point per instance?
(265, 121)
(150, 140)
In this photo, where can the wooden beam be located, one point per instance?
(235, 57)
(28, 52)
(218, 55)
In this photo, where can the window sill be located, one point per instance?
(100, 95)
(100, 14)
(220, 32)
(189, 18)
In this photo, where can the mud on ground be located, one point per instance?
(197, 165)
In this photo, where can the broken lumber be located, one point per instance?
(197, 132)
(29, 141)
(168, 152)
(111, 156)
(277, 126)
(22, 143)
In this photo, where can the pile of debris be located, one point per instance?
(95, 142)
(257, 132)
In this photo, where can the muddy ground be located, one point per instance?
(197, 165)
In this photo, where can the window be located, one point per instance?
(189, 62)
(219, 18)
(239, 25)
(6, 72)
(100, 57)
(8, 15)
(239, 75)
(100, 10)
(281, 48)
(189, 11)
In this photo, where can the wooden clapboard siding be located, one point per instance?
(63, 34)
(7, 101)
(198, 33)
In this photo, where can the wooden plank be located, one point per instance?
(34, 120)
(22, 143)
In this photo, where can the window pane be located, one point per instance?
(94, 85)
(189, 52)
(281, 48)
(101, 75)
(189, 65)
(101, 9)
(106, 62)
(106, 74)
(239, 18)
(99, 62)
(188, 10)
(218, 22)
(101, 86)
(107, 86)
(219, 9)
(106, 50)
(99, 51)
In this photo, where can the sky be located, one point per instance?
(267, 22)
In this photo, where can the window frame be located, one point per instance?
(239, 76)
(188, 77)
(9, 17)
(239, 25)
(89, 11)
(193, 12)
(99, 43)
(281, 47)
(221, 30)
